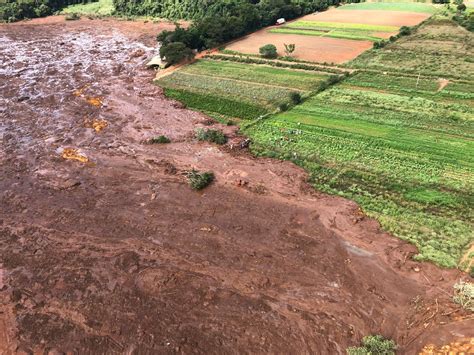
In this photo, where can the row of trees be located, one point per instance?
(198, 9)
(225, 20)
(14, 10)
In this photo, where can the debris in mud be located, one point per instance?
(464, 346)
(74, 154)
(97, 124)
(95, 101)
(138, 53)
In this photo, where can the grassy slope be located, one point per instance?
(394, 144)
(392, 6)
(99, 8)
(440, 48)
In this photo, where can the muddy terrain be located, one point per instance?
(104, 248)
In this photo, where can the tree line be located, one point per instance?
(14, 10)
(217, 22)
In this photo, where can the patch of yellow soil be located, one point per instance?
(74, 154)
(464, 346)
(96, 124)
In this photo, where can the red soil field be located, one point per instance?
(311, 48)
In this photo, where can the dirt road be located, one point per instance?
(116, 254)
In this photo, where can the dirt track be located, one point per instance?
(119, 255)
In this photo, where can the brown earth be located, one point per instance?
(310, 48)
(370, 17)
(116, 254)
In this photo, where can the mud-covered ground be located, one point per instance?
(117, 254)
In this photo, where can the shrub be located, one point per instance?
(198, 180)
(295, 97)
(374, 345)
(159, 140)
(175, 53)
(211, 135)
(405, 31)
(464, 295)
(283, 107)
(268, 51)
(72, 17)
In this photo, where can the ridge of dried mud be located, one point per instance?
(116, 254)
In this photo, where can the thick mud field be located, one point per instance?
(112, 252)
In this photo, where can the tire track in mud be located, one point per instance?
(119, 255)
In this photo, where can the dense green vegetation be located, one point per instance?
(238, 90)
(267, 11)
(374, 345)
(13, 10)
(96, 8)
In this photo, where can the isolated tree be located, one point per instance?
(268, 51)
(289, 49)
(461, 7)
(176, 52)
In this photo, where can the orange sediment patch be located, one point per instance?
(74, 154)
(95, 101)
(465, 346)
(96, 124)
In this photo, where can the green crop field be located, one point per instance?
(253, 89)
(353, 31)
(392, 6)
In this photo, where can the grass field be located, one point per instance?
(248, 90)
(440, 47)
(99, 8)
(355, 31)
(393, 6)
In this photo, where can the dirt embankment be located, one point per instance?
(118, 255)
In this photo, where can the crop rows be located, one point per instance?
(248, 91)
(354, 31)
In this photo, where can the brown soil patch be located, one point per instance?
(442, 84)
(310, 48)
(121, 256)
(370, 17)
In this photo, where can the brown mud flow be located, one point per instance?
(104, 247)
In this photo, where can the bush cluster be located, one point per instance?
(374, 345)
(198, 180)
(211, 135)
(159, 140)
